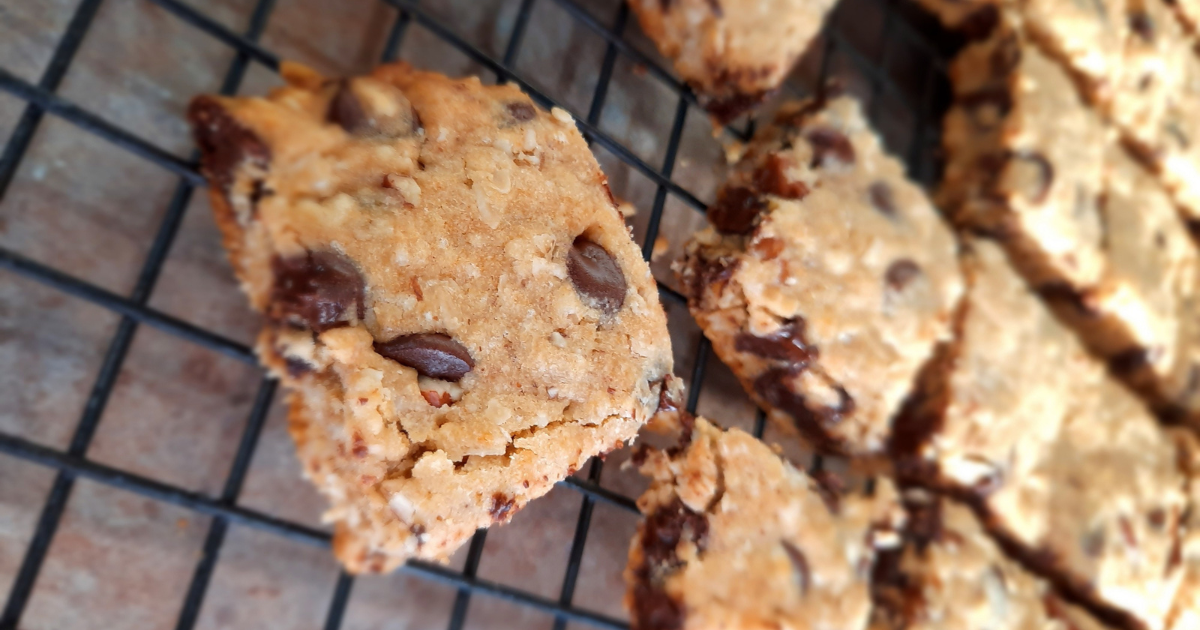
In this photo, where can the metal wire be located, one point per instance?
(73, 464)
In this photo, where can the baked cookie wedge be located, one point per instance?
(735, 537)
(448, 291)
(827, 279)
(733, 53)
(1089, 227)
(1069, 471)
(950, 575)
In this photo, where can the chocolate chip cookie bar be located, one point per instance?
(448, 290)
(950, 575)
(735, 537)
(1098, 236)
(733, 53)
(1070, 473)
(826, 280)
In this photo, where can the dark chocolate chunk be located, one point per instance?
(521, 111)
(1062, 293)
(1142, 26)
(735, 210)
(350, 111)
(654, 609)
(431, 354)
(317, 290)
(296, 367)
(786, 344)
(980, 24)
(226, 145)
(1128, 362)
(882, 198)
(799, 565)
(771, 178)
(501, 508)
(900, 273)
(346, 111)
(667, 527)
(925, 525)
(725, 109)
(772, 386)
(830, 148)
(596, 276)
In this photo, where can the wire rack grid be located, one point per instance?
(871, 66)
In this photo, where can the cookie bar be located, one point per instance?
(735, 537)
(448, 290)
(827, 278)
(1071, 474)
(733, 53)
(1095, 232)
(950, 575)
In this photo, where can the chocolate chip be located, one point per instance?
(355, 107)
(1064, 294)
(980, 24)
(726, 108)
(1142, 26)
(786, 344)
(900, 273)
(882, 198)
(773, 387)
(654, 609)
(925, 524)
(225, 147)
(501, 508)
(1032, 174)
(596, 276)
(987, 108)
(667, 402)
(735, 210)
(667, 527)
(1130, 361)
(771, 178)
(830, 148)
(435, 355)
(346, 111)
(296, 368)
(799, 565)
(715, 7)
(317, 290)
(1157, 518)
(520, 111)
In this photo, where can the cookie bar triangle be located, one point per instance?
(448, 291)
(1133, 61)
(827, 279)
(735, 537)
(733, 53)
(1094, 232)
(1069, 471)
(950, 575)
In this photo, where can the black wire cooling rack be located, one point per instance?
(884, 68)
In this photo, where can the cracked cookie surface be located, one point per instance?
(448, 289)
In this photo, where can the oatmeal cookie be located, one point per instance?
(735, 537)
(448, 290)
(827, 278)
